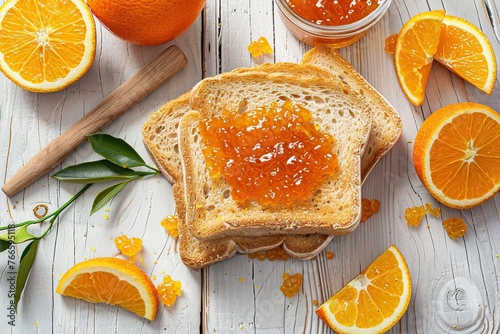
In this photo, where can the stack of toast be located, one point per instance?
(214, 227)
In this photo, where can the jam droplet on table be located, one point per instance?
(414, 214)
(128, 246)
(169, 290)
(291, 284)
(171, 224)
(455, 227)
(369, 207)
(260, 46)
(272, 155)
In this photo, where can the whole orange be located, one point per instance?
(146, 22)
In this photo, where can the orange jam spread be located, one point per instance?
(273, 155)
(333, 12)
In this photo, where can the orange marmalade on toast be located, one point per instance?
(272, 155)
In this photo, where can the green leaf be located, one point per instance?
(20, 236)
(27, 260)
(4, 245)
(115, 150)
(94, 172)
(106, 195)
(23, 235)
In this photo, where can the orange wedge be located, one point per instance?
(46, 45)
(465, 50)
(457, 154)
(373, 301)
(113, 281)
(416, 45)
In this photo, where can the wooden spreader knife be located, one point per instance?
(115, 104)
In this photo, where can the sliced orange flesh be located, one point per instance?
(416, 45)
(113, 281)
(46, 45)
(373, 301)
(457, 155)
(466, 51)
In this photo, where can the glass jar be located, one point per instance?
(336, 36)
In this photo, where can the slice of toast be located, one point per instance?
(163, 149)
(386, 123)
(334, 209)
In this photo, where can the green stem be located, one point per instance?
(53, 215)
(141, 174)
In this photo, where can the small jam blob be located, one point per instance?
(128, 246)
(171, 224)
(291, 284)
(415, 214)
(455, 227)
(273, 155)
(390, 44)
(333, 12)
(369, 207)
(169, 290)
(277, 253)
(260, 46)
(329, 255)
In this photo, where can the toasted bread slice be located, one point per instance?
(159, 134)
(334, 209)
(386, 123)
(163, 149)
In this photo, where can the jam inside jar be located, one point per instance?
(337, 23)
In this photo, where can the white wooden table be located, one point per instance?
(455, 282)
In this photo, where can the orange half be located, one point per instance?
(46, 45)
(457, 154)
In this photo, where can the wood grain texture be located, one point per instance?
(455, 282)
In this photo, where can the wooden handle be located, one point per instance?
(120, 100)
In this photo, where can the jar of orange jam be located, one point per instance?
(337, 23)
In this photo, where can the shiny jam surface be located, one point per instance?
(291, 284)
(369, 207)
(333, 12)
(277, 253)
(273, 155)
(414, 214)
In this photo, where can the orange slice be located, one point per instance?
(416, 45)
(457, 154)
(466, 51)
(46, 45)
(373, 301)
(113, 281)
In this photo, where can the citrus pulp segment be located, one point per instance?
(457, 154)
(416, 45)
(46, 45)
(113, 281)
(373, 301)
(466, 51)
